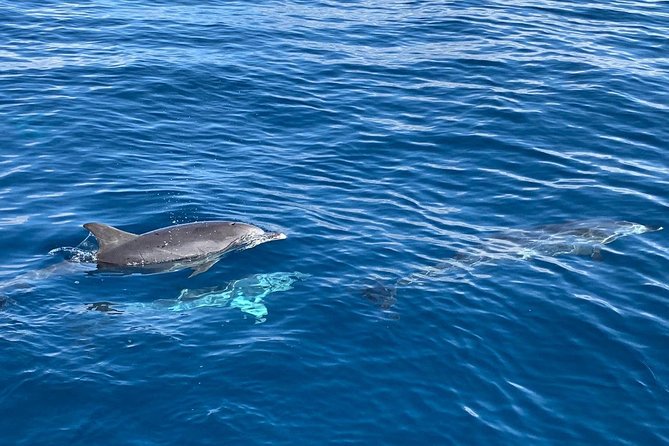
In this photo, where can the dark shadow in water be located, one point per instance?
(4, 302)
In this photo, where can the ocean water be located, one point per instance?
(388, 140)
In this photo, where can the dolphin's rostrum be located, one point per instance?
(193, 245)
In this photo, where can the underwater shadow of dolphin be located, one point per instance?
(246, 294)
(581, 238)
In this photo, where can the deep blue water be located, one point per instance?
(384, 138)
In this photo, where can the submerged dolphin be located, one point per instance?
(247, 294)
(581, 238)
(193, 245)
(577, 238)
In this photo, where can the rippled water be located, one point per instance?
(387, 139)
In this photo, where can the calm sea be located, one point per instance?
(387, 140)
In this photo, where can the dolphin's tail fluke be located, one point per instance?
(381, 295)
(4, 301)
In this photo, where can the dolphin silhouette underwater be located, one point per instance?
(192, 245)
(584, 238)
(247, 294)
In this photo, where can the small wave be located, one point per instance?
(75, 255)
(84, 252)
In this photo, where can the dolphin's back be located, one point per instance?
(171, 244)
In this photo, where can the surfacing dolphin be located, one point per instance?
(581, 238)
(193, 245)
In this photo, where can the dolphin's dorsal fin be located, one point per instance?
(109, 237)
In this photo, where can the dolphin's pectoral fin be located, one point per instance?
(109, 237)
(610, 238)
(203, 268)
(597, 254)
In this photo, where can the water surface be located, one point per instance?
(384, 139)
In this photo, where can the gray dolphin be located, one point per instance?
(583, 238)
(193, 245)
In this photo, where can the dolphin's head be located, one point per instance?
(653, 228)
(251, 236)
(271, 236)
(628, 227)
(607, 234)
(264, 237)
